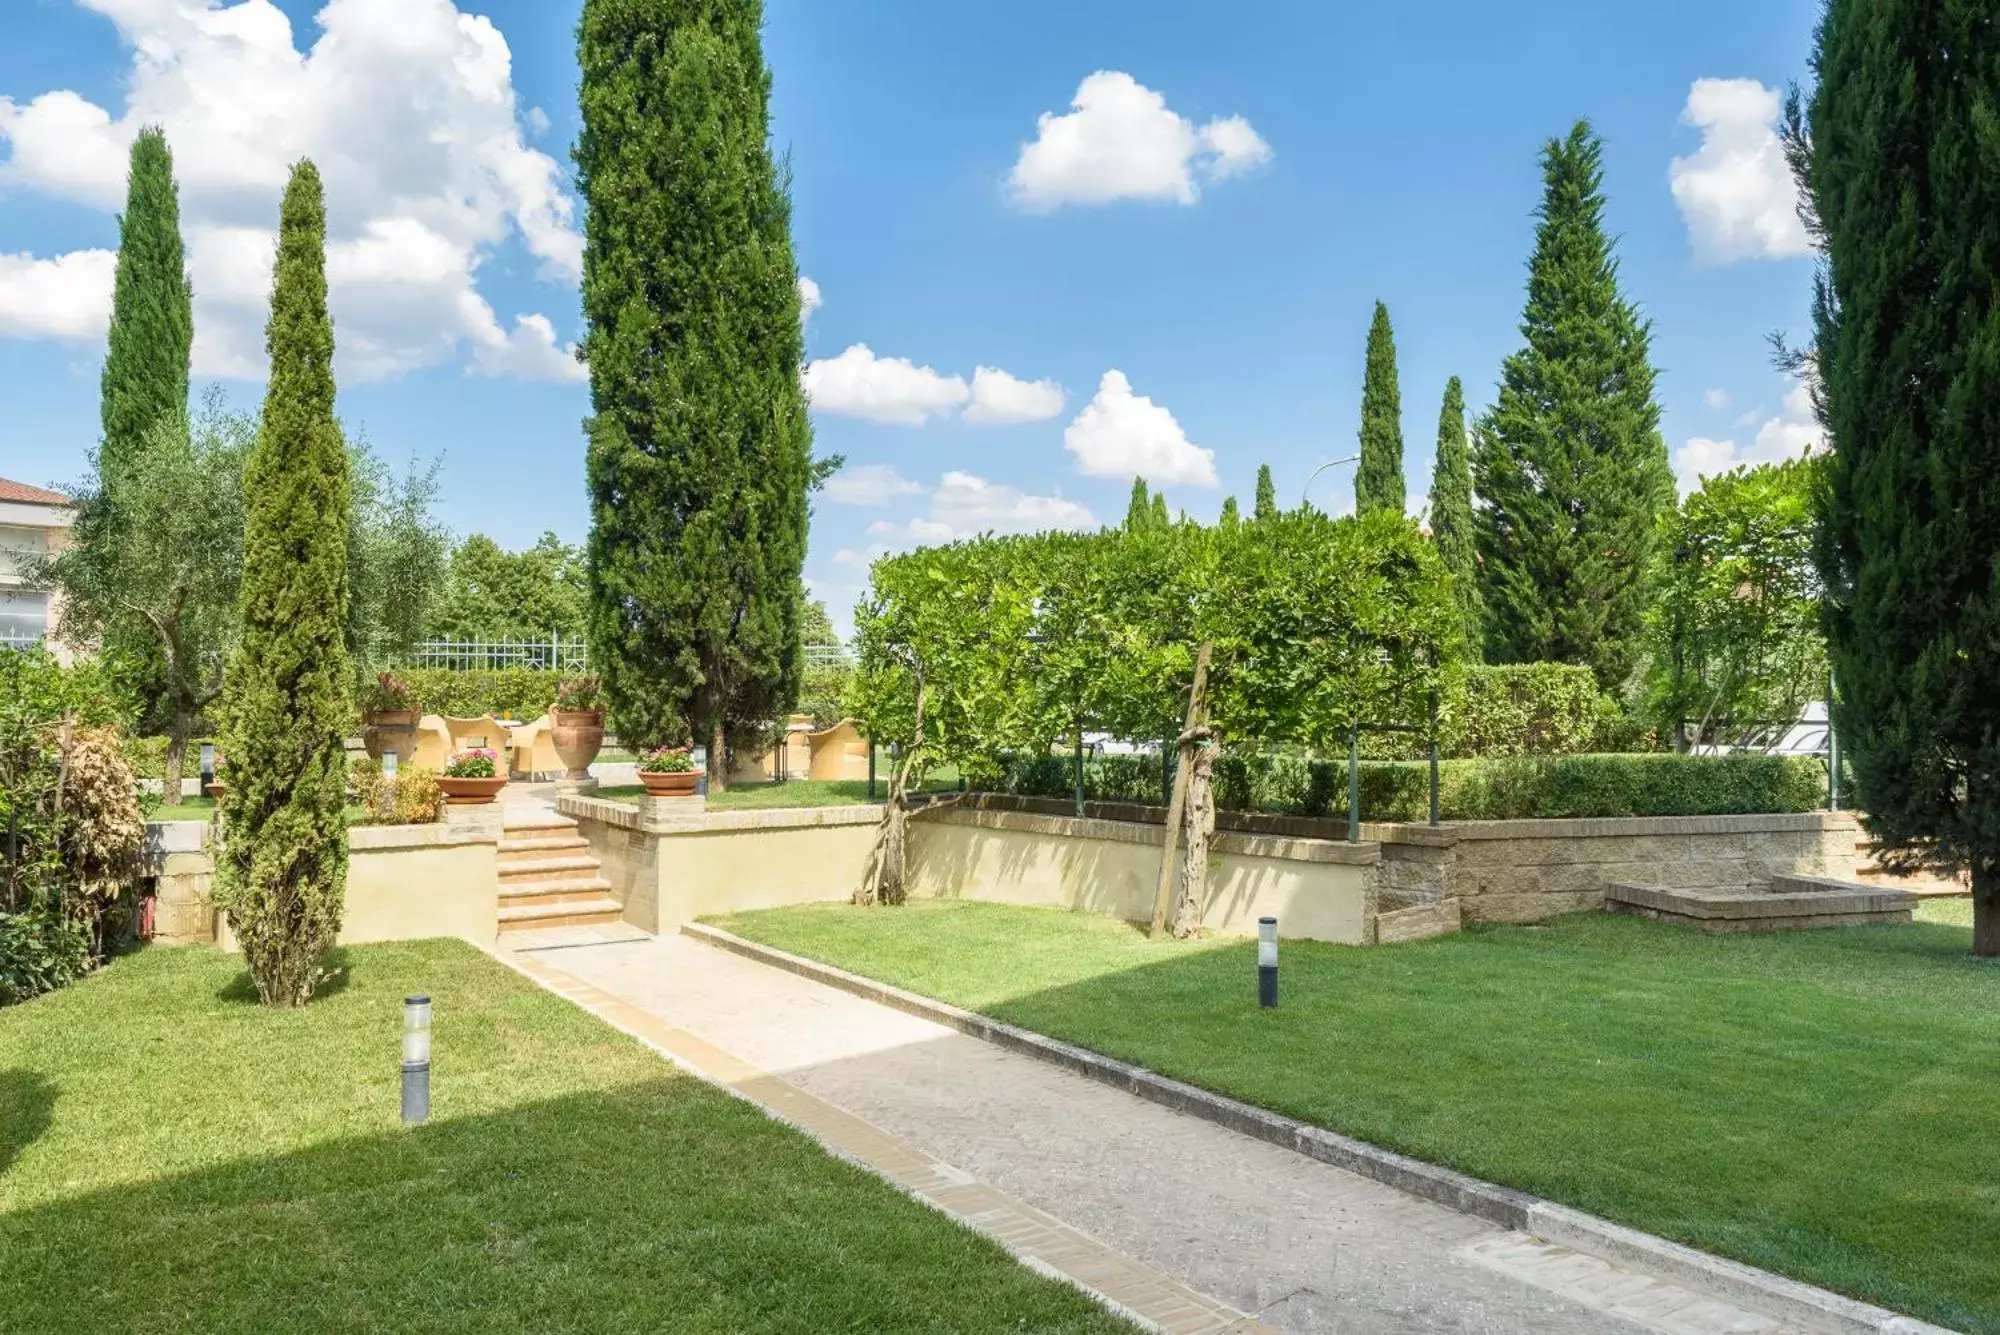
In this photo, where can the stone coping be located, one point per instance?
(1452, 832)
(193, 836)
(698, 819)
(1132, 832)
(1789, 897)
(1773, 1294)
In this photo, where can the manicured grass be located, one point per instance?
(203, 808)
(175, 1157)
(791, 793)
(1824, 1104)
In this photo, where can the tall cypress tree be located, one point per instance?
(699, 455)
(1266, 504)
(283, 870)
(145, 373)
(1894, 157)
(1161, 519)
(1230, 518)
(1569, 465)
(1139, 510)
(1378, 482)
(1451, 512)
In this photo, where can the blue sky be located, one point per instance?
(1378, 152)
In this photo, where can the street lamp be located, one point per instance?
(1331, 463)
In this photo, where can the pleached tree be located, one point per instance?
(1451, 513)
(699, 452)
(1378, 481)
(282, 872)
(1569, 465)
(1894, 153)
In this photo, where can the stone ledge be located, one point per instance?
(1772, 1293)
(377, 838)
(1805, 822)
(627, 816)
(1795, 903)
(1281, 847)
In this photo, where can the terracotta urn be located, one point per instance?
(212, 789)
(471, 792)
(385, 730)
(669, 785)
(577, 735)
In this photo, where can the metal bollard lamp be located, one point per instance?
(1267, 962)
(416, 1060)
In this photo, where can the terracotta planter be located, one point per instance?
(212, 789)
(577, 735)
(471, 792)
(385, 730)
(669, 785)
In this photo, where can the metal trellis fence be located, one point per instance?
(556, 653)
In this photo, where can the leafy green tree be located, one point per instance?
(1451, 514)
(493, 594)
(1161, 519)
(1230, 518)
(1737, 642)
(159, 545)
(396, 558)
(1266, 504)
(145, 376)
(1139, 512)
(282, 872)
(1569, 466)
(1894, 154)
(1378, 482)
(699, 455)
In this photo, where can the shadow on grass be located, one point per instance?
(658, 1205)
(27, 1105)
(333, 981)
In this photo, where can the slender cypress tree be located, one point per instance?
(699, 455)
(1569, 465)
(283, 869)
(1266, 504)
(1451, 512)
(1378, 482)
(1230, 517)
(145, 373)
(1161, 519)
(1894, 157)
(1139, 511)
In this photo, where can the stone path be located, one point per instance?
(1184, 1224)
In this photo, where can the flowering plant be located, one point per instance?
(579, 694)
(481, 762)
(667, 760)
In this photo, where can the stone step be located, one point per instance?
(1419, 922)
(1786, 903)
(548, 869)
(531, 824)
(583, 913)
(538, 845)
(564, 888)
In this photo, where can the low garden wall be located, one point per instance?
(404, 882)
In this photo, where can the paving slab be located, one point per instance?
(1183, 1222)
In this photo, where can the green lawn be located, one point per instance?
(203, 808)
(1824, 1104)
(175, 1157)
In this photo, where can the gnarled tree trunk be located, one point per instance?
(1199, 828)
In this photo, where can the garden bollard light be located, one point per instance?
(416, 1060)
(207, 766)
(1267, 962)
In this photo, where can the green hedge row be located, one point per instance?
(1508, 788)
(522, 694)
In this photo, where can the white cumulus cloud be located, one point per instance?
(1717, 399)
(965, 506)
(68, 297)
(1122, 434)
(999, 399)
(869, 485)
(407, 107)
(1735, 192)
(809, 298)
(1122, 141)
(891, 390)
(1791, 434)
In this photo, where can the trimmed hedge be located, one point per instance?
(1511, 788)
(522, 694)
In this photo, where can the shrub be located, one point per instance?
(667, 760)
(516, 693)
(413, 799)
(388, 693)
(1511, 788)
(40, 951)
(580, 694)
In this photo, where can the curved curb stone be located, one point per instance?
(1771, 1293)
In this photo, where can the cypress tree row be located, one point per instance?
(1266, 504)
(1894, 157)
(1451, 513)
(1139, 510)
(699, 456)
(282, 872)
(1230, 518)
(145, 373)
(1570, 469)
(1378, 482)
(1161, 519)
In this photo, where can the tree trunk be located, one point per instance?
(1200, 818)
(1986, 907)
(718, 758)
(177, 740)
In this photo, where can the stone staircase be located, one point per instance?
(548, 875)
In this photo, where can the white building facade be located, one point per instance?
(34, 522)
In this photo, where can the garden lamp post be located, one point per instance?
(416, 1060)
(1267, 962)
(1330, 463)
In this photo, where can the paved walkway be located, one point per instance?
(1183, 1223)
